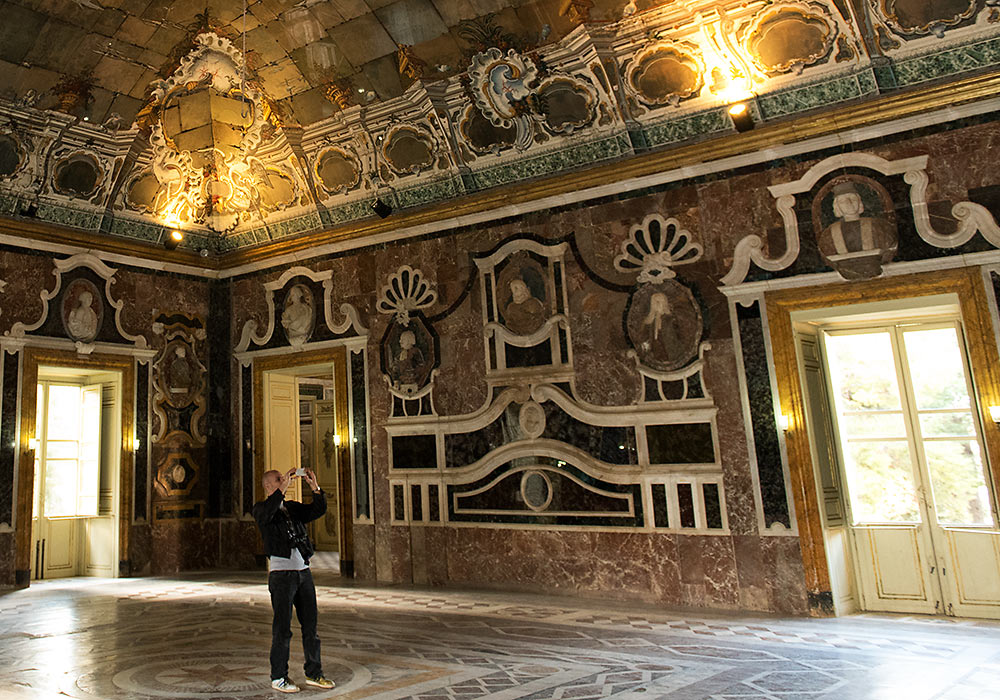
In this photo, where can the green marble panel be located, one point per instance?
(686, 128)
(950, 62)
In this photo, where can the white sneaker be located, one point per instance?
(284, 685)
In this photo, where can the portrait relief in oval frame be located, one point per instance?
(664, 325)
(408, 355)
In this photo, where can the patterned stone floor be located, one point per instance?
(207, 637)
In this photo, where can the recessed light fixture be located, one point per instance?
(739, 112)
(173, 239)
(383, 209)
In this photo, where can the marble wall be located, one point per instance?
(747, 563)
(157, 544)
(743, 567)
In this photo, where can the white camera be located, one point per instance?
(301, 471)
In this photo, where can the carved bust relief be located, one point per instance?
(82, 310)
(298, 314)
(522, 295)
(856, 227)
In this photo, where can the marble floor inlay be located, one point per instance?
(207, 636)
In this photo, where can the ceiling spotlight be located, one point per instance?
(739, 112)
(173, 239)
(383, 209)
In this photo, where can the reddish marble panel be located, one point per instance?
(6, 559)
(364, 552)
(184, 546)
(140, 550)
(723, 383)
(240, 544)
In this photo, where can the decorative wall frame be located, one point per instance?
(525, 318)
(303, 321)
(409, 349)
(180, 380)
(14, 153)
(789, 37)
(78, 174)
(408, 149)
(538, 457)
(970, 218)
(664, 73)
(910, 19)
(337, 169)
(662, 320)
(85, 321)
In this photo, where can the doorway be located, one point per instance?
(896, 420)
(303, 422)
(74, 519)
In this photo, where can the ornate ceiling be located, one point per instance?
(128, 117)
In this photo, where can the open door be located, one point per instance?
(76, 464)
(281, 433)
(920, 511)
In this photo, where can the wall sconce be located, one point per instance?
(33, 443)
(739, 112)
(173, 239)
(136, 444)
(336, 440)
(995, 414)
(783, 422)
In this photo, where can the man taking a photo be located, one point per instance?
(290, 582)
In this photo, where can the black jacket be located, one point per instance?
(274, 524)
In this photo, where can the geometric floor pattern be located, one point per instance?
(207, 636)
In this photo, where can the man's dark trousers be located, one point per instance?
(296, 588)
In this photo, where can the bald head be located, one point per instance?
(271, 481)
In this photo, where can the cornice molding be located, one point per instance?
(502, 202)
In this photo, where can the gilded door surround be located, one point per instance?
(33, 358)
(967, 284)
(338, 357)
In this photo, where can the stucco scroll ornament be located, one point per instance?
(500, 82)
(970, 218)
(295, 317)
(81, 306)
(409, 346)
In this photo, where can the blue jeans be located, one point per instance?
(296, 588)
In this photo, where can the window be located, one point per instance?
(907, 422)
(67, 460)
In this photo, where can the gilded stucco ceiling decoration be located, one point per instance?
(666, 73)
(408, 149)
(207, 126)
(789, 37)
(337, 170)
(13, 155)
(483, 136)
(502, 82)
(77, 175)
(919, 17)
(336, 102)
